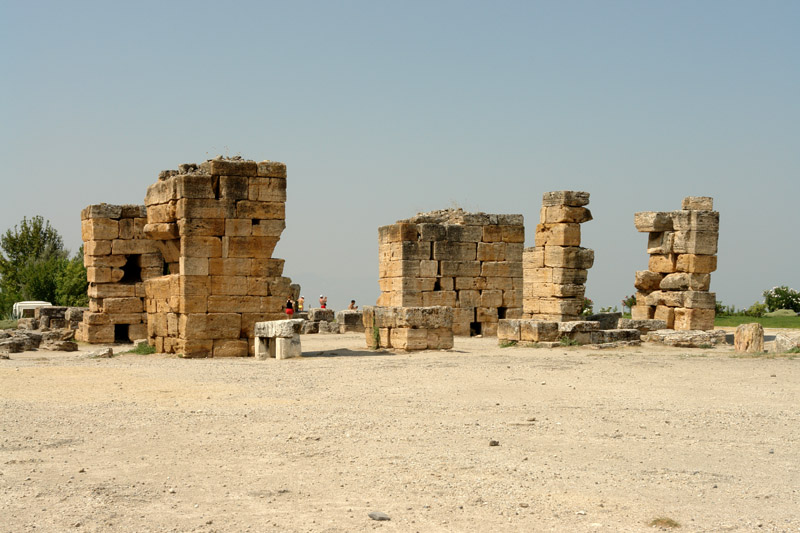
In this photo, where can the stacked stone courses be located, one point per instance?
(682, 247)
(216, 225)
(118, 259)
(555, 270)
(409, 328)
(471, 262)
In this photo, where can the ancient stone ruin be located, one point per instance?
(409, 328)
(682, 247)
(555, 270)
(470, 262)
(192, 269)
(118, 259)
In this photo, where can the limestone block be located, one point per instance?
(161, 192)
(489, 251)
(95, 334)
(193, 186)
(350, 320)
(128, 318)
(459, 233)
(402, 232)
(490, 298)
(786, 341)
(440, 338)
(193, 266)
(260, 210)
(568, 257)
(321, 315)
(123, 305)
(508, 330)
(558, 234)
(230, 266)
(137, 332)
(687, 339)
(460, 268)
(271, 169)
(230, 348)
(409, 339)
(533, 257)
(664, 264)
(439, 298)
(605, 320)
(538, 331)
(278, 328)
(682, 281)
(95, 229)
(547, 290)
(486, 314)
(161, 231)
(700, 319)
(643, 326)
(238, 227)
(492, 233)
(226, 167)
(695, 242)
(210, 325)
(705, 203)
(248, 246)
(267, 189)
(567, 198)
(489, 329)
(115, 261)
(470, 283)
(429, 269)
(652, 221)
(231, 285)
(513, 234)
(133, 247)
(700, 264)
(98, 274)
(101, 211)
(413, 251)
(699, 300)
(161, 213)
(506, 220)
(642, 312)
(237, 188)
(192, 208)
(201, 227)
(503, 284)
(268, 228)
(454, 251)
(430, 232)
(514, 251)
(561, 213)
(667, 314)
(647, 281)
(126, 229)
(668, 298)
(200, 285)
(501, 269)
(660, 242)
(468, 298)
(267, 267)
(94, 248)
(749, 338)
(696, 221)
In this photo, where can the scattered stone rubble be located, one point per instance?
(409, 328)
(786, 341)
(682, 247)
(555, 270)
(51, 328)
(320, 321)
(470, 262)
(118, 259)
(548, 333)
(686, 338)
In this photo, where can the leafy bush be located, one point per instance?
(781, 312)
(757, 310)
(629, 302)
(782, 298)
(609, 309)
(587, 307)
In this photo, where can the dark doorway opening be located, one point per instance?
(131, 270)
(474, 328)
(501, 313)
(437, 285)
(121, 333)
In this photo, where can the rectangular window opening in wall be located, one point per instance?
(501, 313)
(121, 333)
(131, 270)
(474, 329)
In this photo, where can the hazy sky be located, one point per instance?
(383, 109)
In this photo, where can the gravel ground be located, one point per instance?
(585, 440)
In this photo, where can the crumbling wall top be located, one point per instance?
(459, 216)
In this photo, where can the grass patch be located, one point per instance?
(765, 321)
(767, 355)
(664, 521)
(507, 344)
(796, 349)
(143, 349)
(566, 341)
(8, 324)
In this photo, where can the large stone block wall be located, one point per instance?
(471, 262)
(682, 247)
(555, 270)
(118, 259)
(216, 225)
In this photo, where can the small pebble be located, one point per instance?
(494, 443)
(377, 515)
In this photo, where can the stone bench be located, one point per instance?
(279, 339)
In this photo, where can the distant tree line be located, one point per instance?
(34, 265)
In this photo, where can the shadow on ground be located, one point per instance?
(344, 352)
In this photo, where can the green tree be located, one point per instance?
(71, 286)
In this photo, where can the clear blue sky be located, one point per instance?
(383, 109)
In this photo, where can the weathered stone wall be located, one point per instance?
(682, 247)
(471, 262)
(555, 270)
(118, 259)
(216, 225)
(408, 328)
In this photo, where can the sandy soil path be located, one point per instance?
(588, 440)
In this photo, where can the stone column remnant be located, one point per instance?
(216, 225)
(118, 260)
(682, 247)
(555, 270)
(471, 262)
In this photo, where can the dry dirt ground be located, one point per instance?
(588, 440)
